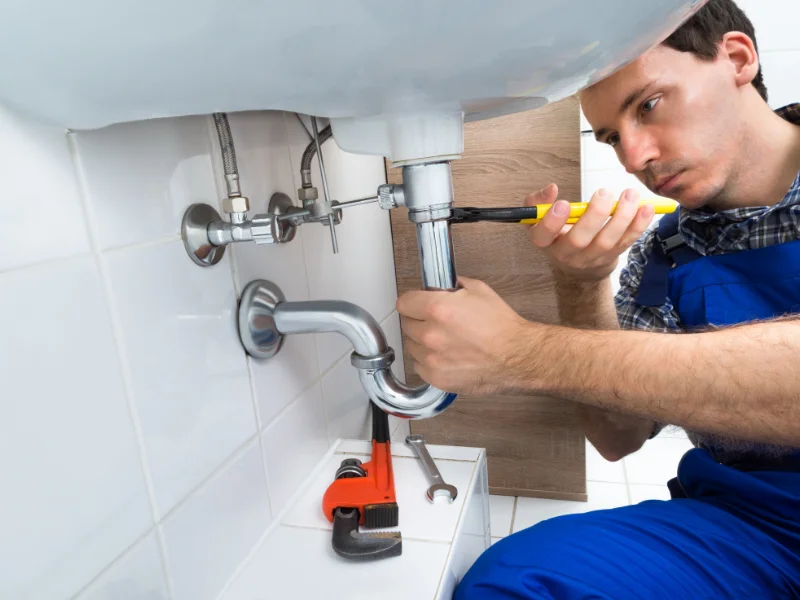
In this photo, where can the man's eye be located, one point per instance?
(612, 140)
(650, 104)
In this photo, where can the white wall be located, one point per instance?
(143, 454)
(775, 23)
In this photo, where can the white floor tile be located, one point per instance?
(657, 462)
(501, 510)
(300, 563)
(640, 492)
(495, 540)
(601, 496)
(599, 469)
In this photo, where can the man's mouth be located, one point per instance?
(666, 184)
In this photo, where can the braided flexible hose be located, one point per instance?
(311, 149)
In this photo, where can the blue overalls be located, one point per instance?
(731, 530)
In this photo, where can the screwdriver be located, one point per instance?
(530, 215)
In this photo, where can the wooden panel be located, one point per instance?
(535, 445)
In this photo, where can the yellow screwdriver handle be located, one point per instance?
(662, 207)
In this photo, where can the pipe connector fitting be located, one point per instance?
(307, 195)
(391, 196)
(384, 360)
(235, 204)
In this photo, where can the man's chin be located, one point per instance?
(689, 198)
(691, 203)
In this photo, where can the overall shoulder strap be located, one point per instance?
(669, 250)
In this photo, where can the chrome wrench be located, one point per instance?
(438, 486)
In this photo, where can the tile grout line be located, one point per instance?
(513, 516)
(164, 239)
(48, 262)
(113, 563)
(465, 507)
(627, 482)
(174, 237)
(237, 453)
(317, 528)
(218, 182)
(122, 358)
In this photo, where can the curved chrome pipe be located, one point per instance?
(373, 357)
(264, 318)
(333, 316)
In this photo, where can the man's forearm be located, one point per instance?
(591, 306)
(742, 382)
(586, 305)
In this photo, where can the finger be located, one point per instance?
(413, 329)
(546, 195)
(416, 304)
(417, 352)
(644, 216)
(423, 372)
(545, 232)
(592, 221)
(610, 236)
(472, 285)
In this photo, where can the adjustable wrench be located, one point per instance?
(438, 486)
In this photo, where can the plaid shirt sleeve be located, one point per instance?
(632, 315)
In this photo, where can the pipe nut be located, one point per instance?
(391, 196)
(372, 363)
(307, 194)
(235, 204)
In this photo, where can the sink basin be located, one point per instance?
(89, 63)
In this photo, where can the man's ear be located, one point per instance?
(740, 50)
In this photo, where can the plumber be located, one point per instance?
(704, 334)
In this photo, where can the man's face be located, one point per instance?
(672, 120)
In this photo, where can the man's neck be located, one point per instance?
(770, 162)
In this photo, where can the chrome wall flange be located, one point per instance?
(194, 231)
(256, 317)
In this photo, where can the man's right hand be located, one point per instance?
(589, 250)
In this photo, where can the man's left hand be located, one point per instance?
(467, 342)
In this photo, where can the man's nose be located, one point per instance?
(637, 151)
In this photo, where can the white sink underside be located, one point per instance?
(90, 63)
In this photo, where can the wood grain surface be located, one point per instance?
(535, 446)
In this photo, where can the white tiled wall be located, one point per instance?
(143, 454)
(775, 23)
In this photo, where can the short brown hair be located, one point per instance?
(703, 32)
